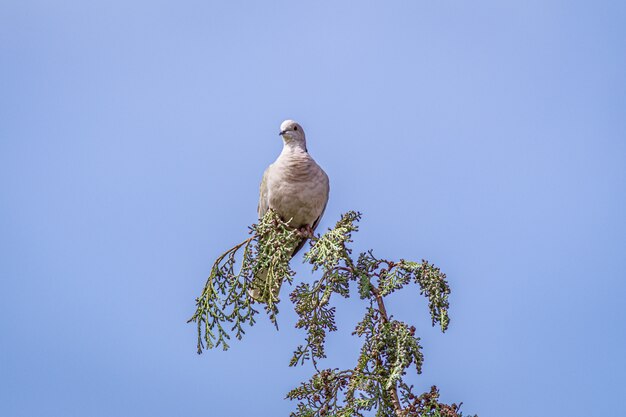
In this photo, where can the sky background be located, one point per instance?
(488, 137)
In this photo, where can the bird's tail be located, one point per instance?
(266, 285)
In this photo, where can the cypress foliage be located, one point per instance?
(375, 384)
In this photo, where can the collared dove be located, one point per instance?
(294, 186)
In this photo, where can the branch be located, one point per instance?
(226, 297)
(389, 347)
(393, 391)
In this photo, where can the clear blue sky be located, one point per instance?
(488, 137)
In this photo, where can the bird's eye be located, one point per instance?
(295, 128)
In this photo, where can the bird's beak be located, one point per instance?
(282, 132)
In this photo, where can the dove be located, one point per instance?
(295, 187)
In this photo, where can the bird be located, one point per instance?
(295, 187)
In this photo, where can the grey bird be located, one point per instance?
(294, 186)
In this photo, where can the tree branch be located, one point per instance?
(393, 390)
(389, 346)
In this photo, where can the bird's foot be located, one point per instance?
(306, 231)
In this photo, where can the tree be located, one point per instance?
(390, 347)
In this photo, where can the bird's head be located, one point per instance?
(292, 133)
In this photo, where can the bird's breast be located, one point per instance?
(298, 193)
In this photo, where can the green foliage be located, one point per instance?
(226, 298)
(389, 348)
(312, 301)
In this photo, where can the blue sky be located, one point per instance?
(488, 137)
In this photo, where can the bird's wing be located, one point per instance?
(263, 200)
(324, 196)
(317, 221)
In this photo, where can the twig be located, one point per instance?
(393, 390)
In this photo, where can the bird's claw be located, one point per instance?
(306, 231)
